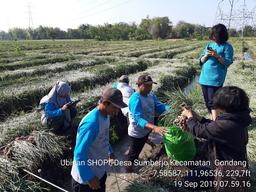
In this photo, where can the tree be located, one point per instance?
(200, 32)
(184, 30)
(249, 31)
(158, 27)
(164, 25)
(74, 34)
(4, 35)
(41, 33)
(140, 34)
(149, 28)
(85, 31)
(121, 31)
(233, 33)
(18, 34)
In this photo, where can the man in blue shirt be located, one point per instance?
(92, 149)
(143, 107)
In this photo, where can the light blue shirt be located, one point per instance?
(51, 110)
(92, 145)
(142, 110)
(213, 73)
(114, 85)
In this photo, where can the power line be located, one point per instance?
(237, 15)
(93, 7)
(105, 10)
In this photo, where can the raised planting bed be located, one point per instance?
(26, 100)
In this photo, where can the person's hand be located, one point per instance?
(208, 54)
(212, 53)
(64, 107)
(159, 130)
(187, 113)
(205, 57)
(94, 183)
(112, 156)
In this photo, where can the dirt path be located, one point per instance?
(117, 177)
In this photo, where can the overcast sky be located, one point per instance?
(71, 13)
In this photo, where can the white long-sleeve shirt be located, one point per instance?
(126, 91)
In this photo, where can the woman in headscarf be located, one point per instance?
(56, 114)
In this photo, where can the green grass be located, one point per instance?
(172, 52)
(20, 77)
(35, 62)
(30, 98)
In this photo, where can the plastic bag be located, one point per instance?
(179, 145)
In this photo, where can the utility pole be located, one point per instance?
(243, 23)
(30, 20)
(230, 13)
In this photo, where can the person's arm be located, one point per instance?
(156, 129)
(206, 130)
(52, 111)
(228, 55)
(203, 57)
(87, 133)
(199, 127)
(110, 150)
(159, 106)
(219, 58)
(136, 111)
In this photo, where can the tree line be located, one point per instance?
(149, 28)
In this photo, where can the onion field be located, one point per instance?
(28, 70)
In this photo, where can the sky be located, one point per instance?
(72, 13)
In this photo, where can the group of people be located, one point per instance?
(93, 137)
(226, 130)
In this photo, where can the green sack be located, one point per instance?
(179, 145)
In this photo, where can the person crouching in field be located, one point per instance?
(56, 114)
(143, 107)
(92, 144)
(227, 136)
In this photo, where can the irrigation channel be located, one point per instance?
(117, 179)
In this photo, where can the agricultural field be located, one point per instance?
(28, 70)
